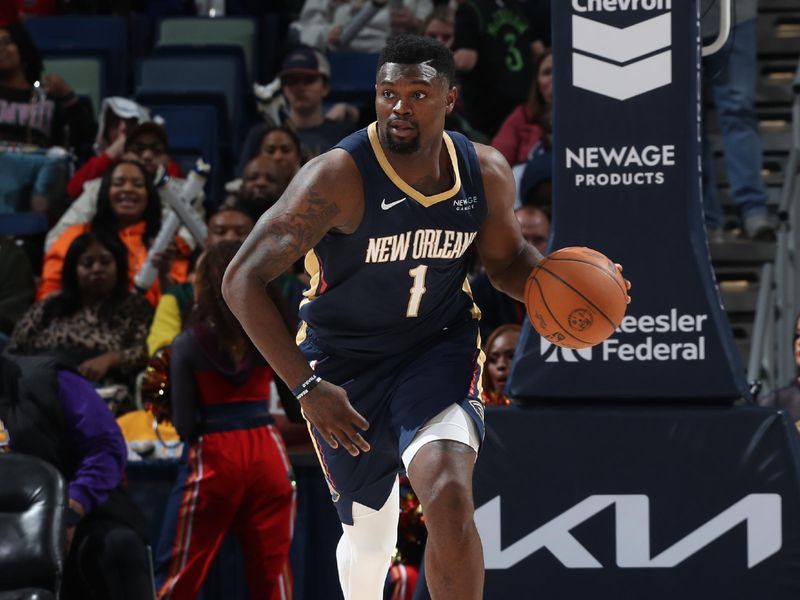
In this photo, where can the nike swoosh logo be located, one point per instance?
(387, 206)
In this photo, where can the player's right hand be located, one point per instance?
(329, 410)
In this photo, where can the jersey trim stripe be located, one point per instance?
(475, 312)
(302, 333)
(426, 201)
(317, 285)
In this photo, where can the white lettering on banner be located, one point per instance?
(552, 353)
(594, 157)
(761, 513)
(651, 349)
(615, 5)
(622, 157)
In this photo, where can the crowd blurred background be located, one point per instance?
(114, 112)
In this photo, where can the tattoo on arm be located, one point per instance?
(293, 234)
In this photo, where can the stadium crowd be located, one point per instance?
(105, 178)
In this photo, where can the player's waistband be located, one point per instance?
(231, 416)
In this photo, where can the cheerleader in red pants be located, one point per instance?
(235, 474)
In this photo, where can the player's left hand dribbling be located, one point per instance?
(330, 412)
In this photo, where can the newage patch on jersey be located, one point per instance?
(422, 243)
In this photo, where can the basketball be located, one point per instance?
(575, 297)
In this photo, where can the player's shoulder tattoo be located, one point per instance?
(297, 230)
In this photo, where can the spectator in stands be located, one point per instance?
(236, 475)
(17, 288)
(524, 127)
(440, 25)
(232, 221)
(731, 76)
(35, 115)
(117, 116)
(52, 413)
(321, 23)
(94, 324)
(534, 221)
(263, 182)
(146, 144)
(278, 149)
(493, 52)
(534, 177)
(305, 83)
(500, 348)
(787, 398)
(129, 208)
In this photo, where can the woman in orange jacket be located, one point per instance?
(127, 205)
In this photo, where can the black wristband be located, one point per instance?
(305, 387)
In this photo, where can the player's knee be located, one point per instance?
(449, 504)
(367, 550)
(373, 535)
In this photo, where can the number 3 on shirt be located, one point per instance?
(417, 289)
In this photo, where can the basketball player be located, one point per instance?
(388, 365)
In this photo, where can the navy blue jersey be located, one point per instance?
(401, 277)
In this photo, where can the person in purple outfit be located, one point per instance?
(54, 414)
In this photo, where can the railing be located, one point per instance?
(771, 353)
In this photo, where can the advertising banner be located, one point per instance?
(626, 181)
(646, 502)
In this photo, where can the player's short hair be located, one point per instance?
(410, 49)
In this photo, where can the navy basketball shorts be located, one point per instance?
(397, 395)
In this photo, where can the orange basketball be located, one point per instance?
(575, 297)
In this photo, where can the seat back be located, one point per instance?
(84, 75)
(352, 77)
(193, 133)
(184, 75)
(23, 223)
(32, 503)
(103, 37)
(200, 31)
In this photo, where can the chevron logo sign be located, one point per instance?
(554, 354)
(622, 62)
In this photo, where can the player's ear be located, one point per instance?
(450, 99)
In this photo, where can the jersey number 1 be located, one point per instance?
(417, 290)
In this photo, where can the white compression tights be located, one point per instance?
(365, 549)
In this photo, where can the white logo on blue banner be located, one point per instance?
(554, 354)
(622, 62)
(761, 513)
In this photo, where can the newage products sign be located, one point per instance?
(626, 181)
